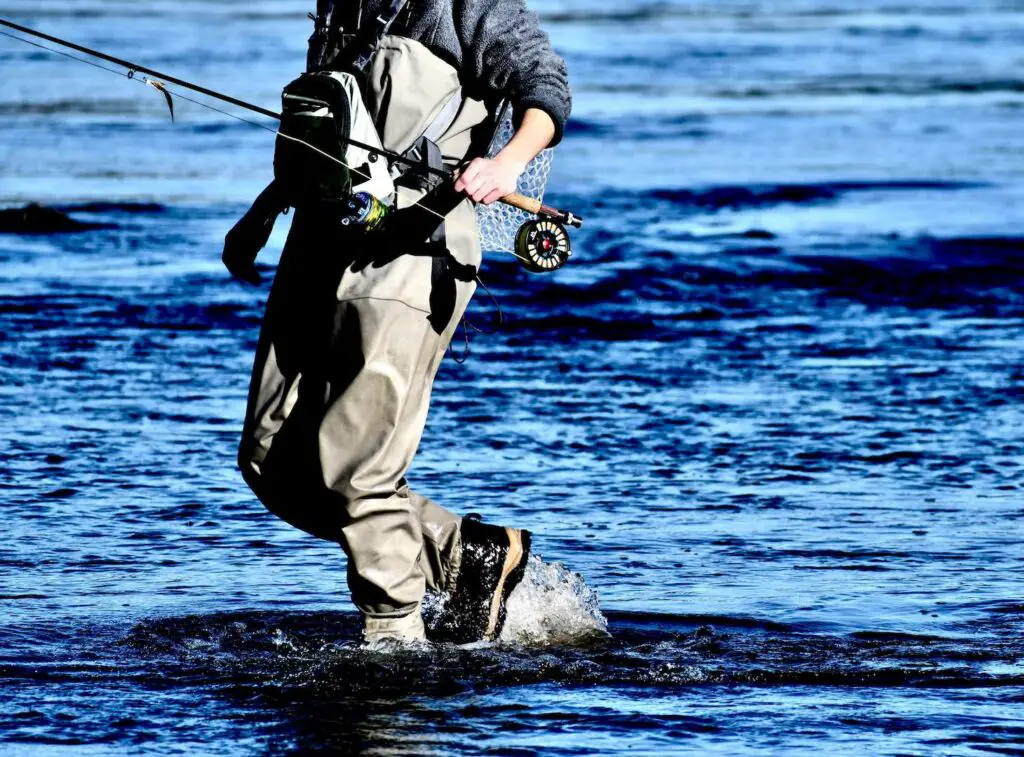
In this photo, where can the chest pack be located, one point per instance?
(328, 152)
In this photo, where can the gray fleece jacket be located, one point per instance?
(497, 46)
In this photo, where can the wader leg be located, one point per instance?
(337, 407)
(442, 550)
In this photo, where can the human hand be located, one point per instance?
(487, 180)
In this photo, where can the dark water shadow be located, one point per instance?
(319, 651)
(299, 682)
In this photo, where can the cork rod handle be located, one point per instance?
(523, 203)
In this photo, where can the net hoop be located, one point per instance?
(500, 223)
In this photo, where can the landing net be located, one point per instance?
(499, 222)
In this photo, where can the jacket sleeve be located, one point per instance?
(507, 54)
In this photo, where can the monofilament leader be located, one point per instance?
(362, 312)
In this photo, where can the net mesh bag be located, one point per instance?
(500, 222)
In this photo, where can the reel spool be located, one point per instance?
(543, 245)
(365, 210)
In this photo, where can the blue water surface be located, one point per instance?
(771, 411)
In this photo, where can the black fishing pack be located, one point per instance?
(313, 160)
(312, 142)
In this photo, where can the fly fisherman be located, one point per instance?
(360, 316)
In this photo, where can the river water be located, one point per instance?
(771, 412)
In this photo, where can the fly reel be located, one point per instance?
(543, 245)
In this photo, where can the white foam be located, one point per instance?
(552, 606)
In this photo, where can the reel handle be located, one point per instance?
(538, 208)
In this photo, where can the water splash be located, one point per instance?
(552, 607)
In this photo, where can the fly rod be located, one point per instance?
(515, 200)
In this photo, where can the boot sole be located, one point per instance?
(515, 563)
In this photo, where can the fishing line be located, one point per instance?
(131, 76)
(94, 64)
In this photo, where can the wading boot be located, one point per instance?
(493, 563)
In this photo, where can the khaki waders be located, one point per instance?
(346, 361)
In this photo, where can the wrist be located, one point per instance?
(512, 162)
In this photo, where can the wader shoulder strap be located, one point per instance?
(327, 36)
(425, 151)
(341, 40)
(445, 118)
(371, 33)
